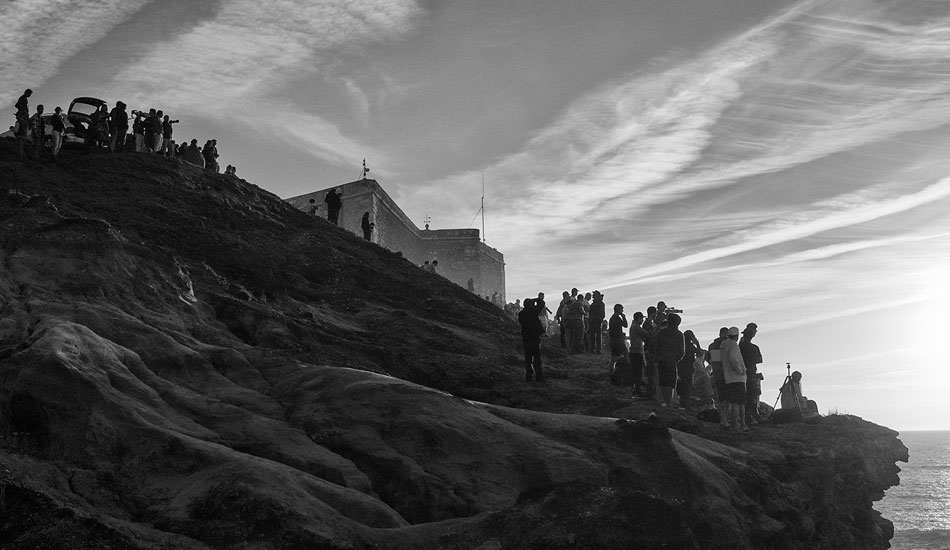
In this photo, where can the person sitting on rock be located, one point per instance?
(793, 399)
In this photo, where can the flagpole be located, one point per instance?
(483, 206)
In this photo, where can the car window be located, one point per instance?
(84, 108)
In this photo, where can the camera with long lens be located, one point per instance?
(673, 310)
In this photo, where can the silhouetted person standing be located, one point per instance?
(618, 343)
(670, 347)
(559, 317)
(734, 372)
(138, 132)
(751, 357)
(531, 331)
(313, 207)
(367, 227)
(119, 121)
(334, 203)
(596, 320)
(22, 129)
(58, 124)
(38, 132)
(685, 369)
(714, 356)
(23, 105)
(157, 132)
(471, 285)
(574, 323)
(638, 339)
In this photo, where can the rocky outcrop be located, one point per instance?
(186, 362)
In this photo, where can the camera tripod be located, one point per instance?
(791, 388)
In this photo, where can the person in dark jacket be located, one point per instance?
(22, 128)
(714, 356)
(573, 322)
(531, 332)
(685, 368)
(596, 320)
(751, 357)
(168, 144)
(619, 363)
(157, 133)
(559, 317)
(119, 126)
(138, 132)
(58, 124)
(38, 132)
(151, 122)
(367, 227)
(670, 347)
(334, 203)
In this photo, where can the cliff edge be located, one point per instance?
(188, 362)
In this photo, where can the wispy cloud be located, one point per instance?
(246, 54)
(790, 92)
(852, 209)
(39, 35)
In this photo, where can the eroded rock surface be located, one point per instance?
(187, 362)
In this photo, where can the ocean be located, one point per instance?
(920, 505)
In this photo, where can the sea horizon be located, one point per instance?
(919, 506)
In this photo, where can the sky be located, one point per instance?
(769, 161)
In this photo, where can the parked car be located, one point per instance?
(80, 113)
(77, 117)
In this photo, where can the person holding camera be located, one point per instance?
(751, 357)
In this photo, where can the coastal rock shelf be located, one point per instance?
(188, 362)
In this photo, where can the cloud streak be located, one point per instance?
(240, 59)
(39, 35)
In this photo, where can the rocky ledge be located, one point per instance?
(187, 362)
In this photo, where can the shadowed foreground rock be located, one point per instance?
(187, 362)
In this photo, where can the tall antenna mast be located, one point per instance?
(483, 206)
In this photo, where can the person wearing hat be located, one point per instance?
(734, 373)
(594, 329)
(751, 357)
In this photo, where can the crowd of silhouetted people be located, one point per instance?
(116, 130)
(654, 356)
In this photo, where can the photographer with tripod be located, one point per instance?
(791, 395)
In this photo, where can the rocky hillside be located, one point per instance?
(187, 362)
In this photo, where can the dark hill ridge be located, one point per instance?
(173, 374)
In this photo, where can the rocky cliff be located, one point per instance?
(187, 362)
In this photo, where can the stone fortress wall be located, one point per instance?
(460, 252)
